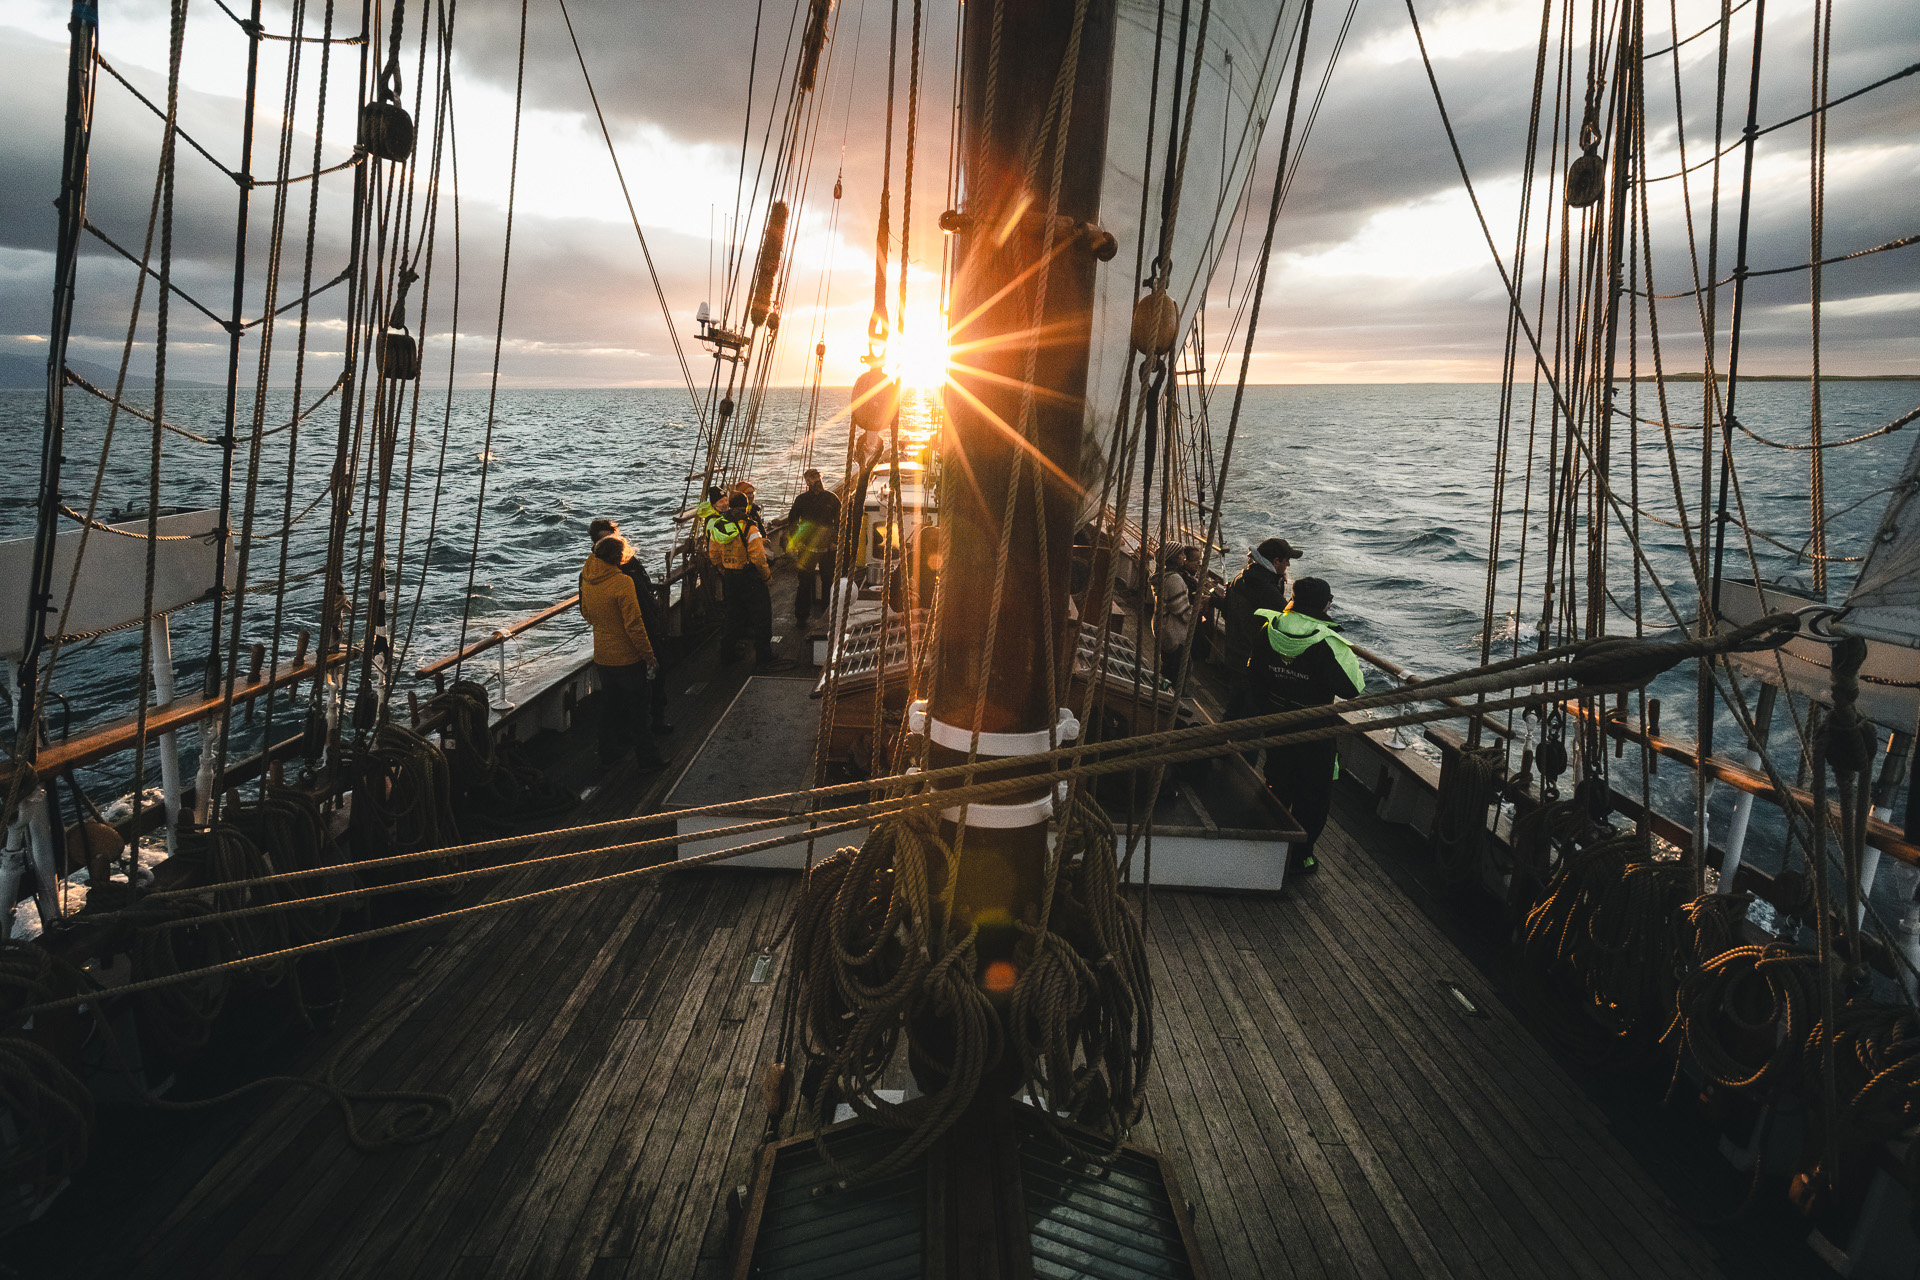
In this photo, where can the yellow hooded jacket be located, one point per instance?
(611, 605)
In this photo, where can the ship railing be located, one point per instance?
(437, 669)
(1402, 675)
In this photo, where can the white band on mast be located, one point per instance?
(955, 738)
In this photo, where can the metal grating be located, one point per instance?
(859, 648)
(1113, 1223)
(866, 1233)
(858, 651)
(1123, 663)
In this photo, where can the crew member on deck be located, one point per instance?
(735, 544)
(1304, 663)
(623, 656)
(755, 516)
(1175, 608)
(811, 526)
(655, 617)
(1261, 585)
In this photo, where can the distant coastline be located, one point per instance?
(1788, 377)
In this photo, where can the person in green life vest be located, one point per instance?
(734, 543)
(1304, 663)
(709, 506)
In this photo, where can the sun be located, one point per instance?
(920, 357)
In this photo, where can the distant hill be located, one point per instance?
(18, 372)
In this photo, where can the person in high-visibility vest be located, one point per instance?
(735, 544)
(1304, 663)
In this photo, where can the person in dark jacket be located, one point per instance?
(654, 615)
(811, 529)
(1261, 585)
(1303, 662)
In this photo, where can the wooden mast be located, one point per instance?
(1014, 391)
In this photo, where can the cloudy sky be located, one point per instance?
(1380, 272)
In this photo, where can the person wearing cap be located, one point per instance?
(810, 532)
(1303, 662)
(651, 612)
(1173, 612)
(1261, 585)
(735, 544)
(623, 655)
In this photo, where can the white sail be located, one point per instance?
(1248, 47)
(1885, 601)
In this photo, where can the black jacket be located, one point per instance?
(1257, 587)
(650, 611)
(1313, 679)
(821, 508)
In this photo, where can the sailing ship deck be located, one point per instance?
(1328, 1106)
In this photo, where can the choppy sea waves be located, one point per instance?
(1387, 488)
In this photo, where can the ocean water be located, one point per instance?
(1386, 488)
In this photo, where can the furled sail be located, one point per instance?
(1247, 46)
(1885, 601)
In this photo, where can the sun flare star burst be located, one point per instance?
(921, 359)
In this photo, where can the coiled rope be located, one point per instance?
(878, 959)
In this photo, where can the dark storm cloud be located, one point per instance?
(582, 307)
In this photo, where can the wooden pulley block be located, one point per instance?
(1586, 181)
(1156, 324)
(398, 356)
(386, 130)
(876, 398)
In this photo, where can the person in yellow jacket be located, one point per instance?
(623, 655)
(734, 542)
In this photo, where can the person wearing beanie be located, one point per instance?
(1304, 662)
(1178, 593)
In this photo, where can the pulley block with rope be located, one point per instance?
(1587, 175)
(1156, 323)
(397, 355)
(876, 399)
(386, 130)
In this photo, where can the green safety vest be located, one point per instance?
(1292, 634)
(723, 529)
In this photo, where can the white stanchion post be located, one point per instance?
(1743, 807)
(163, 693)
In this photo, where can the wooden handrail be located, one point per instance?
(1881, 834)
(1399, 672)
(546, 615)
(124, 734)
(498, 637)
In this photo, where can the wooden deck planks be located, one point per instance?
(1526, 1103)
(1327, 1109)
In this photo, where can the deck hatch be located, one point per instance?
(866, 1233)
(1117, 1224)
